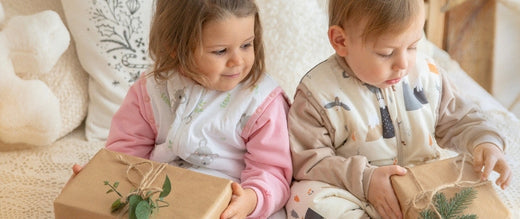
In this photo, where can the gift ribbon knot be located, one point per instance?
(429, 194)
(144, 184)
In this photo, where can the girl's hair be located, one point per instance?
(381, 16)
(176, 32)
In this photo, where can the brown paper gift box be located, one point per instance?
(193, 195)
(443, 174)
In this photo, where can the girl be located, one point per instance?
(207, 104)
(373, 107)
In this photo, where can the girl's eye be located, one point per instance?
(247, 45)
(219, 52)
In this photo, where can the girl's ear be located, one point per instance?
(338, 40)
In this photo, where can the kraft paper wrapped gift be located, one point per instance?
(448, 176)
(193, 195)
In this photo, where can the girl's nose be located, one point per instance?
(235, 59)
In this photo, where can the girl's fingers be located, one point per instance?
(237, 189)
(76, 168)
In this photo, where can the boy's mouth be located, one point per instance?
(393, 81)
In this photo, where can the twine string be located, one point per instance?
(429, 194)
(143, 186)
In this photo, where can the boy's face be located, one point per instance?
(227, 52)
(384, 60)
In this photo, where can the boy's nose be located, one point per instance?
(401, 63)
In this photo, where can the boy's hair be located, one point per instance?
(176, 32)
(381, 16)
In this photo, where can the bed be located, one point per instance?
(31, 177)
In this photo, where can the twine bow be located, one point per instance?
(144, 184)
(428, 195)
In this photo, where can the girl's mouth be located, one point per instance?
(232, 75)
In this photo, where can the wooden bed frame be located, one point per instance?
(466, 30)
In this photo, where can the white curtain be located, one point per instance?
(506, 78)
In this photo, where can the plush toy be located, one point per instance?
(29, 111)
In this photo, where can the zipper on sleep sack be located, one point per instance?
(400, 144)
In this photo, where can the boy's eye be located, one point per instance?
(385, 55)
(219, 52)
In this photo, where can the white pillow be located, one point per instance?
(67, 79)
(112, 45)
(295, 38)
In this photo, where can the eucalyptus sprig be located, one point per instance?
(451, 208)
(139, 207)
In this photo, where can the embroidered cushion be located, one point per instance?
(112, 45)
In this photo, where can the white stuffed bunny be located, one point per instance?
(29, 111)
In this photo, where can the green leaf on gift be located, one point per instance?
(138, 207)
(117, 205)
(166, 188)
(453, 207)
(143, 210)
(133, 200)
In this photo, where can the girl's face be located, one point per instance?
(227, 52)
(384, 60)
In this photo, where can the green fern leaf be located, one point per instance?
(461, 201)
(453, 207)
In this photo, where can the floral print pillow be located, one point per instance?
(112, 41)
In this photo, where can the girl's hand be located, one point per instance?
(76, 168)
(490, 157)
(381, 193)
(243, 202)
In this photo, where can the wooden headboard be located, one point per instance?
(435, 19)
(466, 30)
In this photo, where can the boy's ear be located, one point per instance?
(338, 40)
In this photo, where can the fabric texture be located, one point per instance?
(315, 199)
(67, 79)
(112, 46)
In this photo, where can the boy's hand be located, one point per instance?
(381, 194)
(490, 157)
(243, 202)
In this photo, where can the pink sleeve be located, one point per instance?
(268, 168)
(133, 128)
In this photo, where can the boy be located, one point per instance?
(373, 107)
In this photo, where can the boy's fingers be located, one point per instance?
(503, 180)
(396, 209)
(505, 174)
(477, 161)
(488, 167)
(396, 170)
